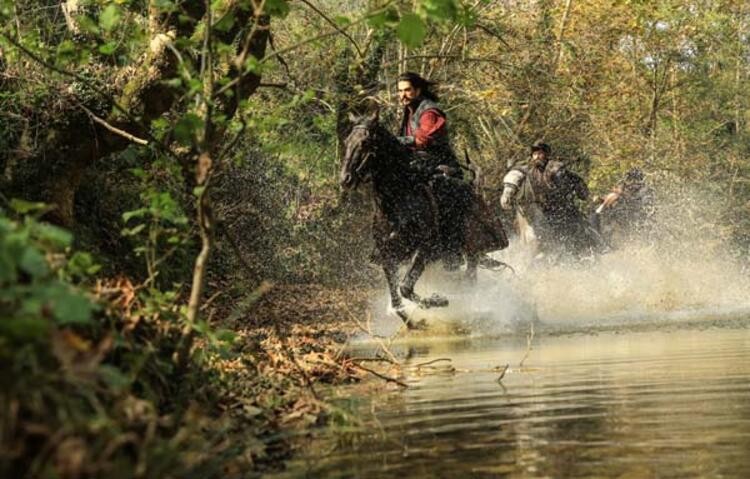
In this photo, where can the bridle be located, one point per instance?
(369, 154)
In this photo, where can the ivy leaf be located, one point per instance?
(411, 30)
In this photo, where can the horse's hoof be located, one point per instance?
(434, 301)
(399, 311)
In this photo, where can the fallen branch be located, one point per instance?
(432, 362)
(382, 376)
(502, 373)
(374, 360)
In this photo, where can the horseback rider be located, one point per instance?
(424, 131)
(628, 208)
(544, 191)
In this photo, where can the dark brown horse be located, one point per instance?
(405, 225)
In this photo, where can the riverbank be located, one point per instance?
(290, 348)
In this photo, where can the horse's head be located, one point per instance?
(359, 150)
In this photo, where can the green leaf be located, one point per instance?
(109, 17)
(165, 6)
(108, 48)
(440, 9)
(113, 377)
(82, 264)
(139, 213)
(133, 231)
(226, 335)
(381, 19)
(252, 65)
(70, 307)
(87, 24)
(276, 8)
(24, 328)
(186, 128)
(342, 20)
(66, 51)
(411, 30)
(25, 207)
(33, 262)
(53, 235)
(226, 22)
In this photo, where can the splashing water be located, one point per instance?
(685, 275)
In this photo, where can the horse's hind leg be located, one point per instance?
(416, 268)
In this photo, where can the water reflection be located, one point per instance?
(638, 404)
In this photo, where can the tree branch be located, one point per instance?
(113, 129)
(334, 25)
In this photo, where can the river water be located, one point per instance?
(639, 367)
(651, 403)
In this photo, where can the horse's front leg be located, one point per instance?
(416, 268)
(396, 303)
(390, 268)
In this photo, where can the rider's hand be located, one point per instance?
(445, 170)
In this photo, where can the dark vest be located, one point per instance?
(440, 147)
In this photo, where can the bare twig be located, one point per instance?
(113, 129)
(375, 360)
(334, 25)
(326, 34)
(382, 376)
(432, 362)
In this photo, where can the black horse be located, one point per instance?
(406, 221)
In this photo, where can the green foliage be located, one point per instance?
(411, 30)
(34, 296)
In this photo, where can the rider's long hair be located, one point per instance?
(423, 84)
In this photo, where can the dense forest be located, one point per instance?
(176, 256)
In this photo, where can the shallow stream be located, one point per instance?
(650, 403)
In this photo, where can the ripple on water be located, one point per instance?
(638, 404)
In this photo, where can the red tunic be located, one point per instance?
(431, 127)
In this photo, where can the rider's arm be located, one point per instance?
(511, 184)
(431, 125)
